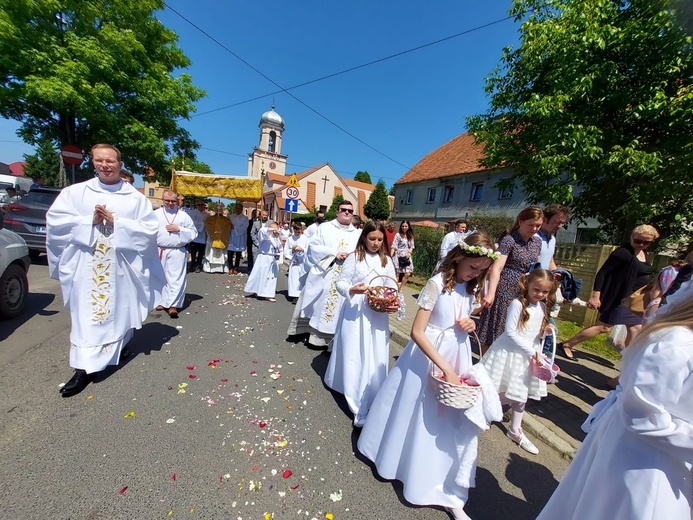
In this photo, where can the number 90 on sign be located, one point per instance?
(292, 193)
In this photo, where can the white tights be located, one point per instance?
(518, 409)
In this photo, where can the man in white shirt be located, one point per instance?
(176, 230)
(454, 237)
(101, 245)
(310, 230)
(318, 307)
(198, 214)
(238, 239)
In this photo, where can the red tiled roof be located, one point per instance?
(17, 168)
(358, 184)
(456, 157)
(276, 177)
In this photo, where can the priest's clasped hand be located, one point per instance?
(102, 215)
(172, 228)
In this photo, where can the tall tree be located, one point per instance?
(190, 164)
(82, 72)
(378, 205)
(44, 163)
(363, 177)
(595, 109)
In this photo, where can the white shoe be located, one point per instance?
(523, 442)
(359, 421)
(457, 513)
(578, 302)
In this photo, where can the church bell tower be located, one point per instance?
(267, 155)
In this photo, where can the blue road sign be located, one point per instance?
(291, 205)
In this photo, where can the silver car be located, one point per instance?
(27, 218)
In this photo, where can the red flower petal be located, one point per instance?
(191, 367)
(253, 373)
(287, 473)
(173, 477)
(192, 376)
(224, 380)
(122, 491)
(295, 487)
(263, 424)
(215, 361)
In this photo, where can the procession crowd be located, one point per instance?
(117, 259)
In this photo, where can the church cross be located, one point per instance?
(324, 185)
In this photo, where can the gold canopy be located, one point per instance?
(242, 189)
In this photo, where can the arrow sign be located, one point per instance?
(292, 192)
(291, 205)
(293, 182)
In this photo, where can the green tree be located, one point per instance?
(363, 177)
(595, 109)
(331, 213)
(82, 72)
(44, 163)
(190, 164)
(378, 205)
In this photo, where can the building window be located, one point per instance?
(151, 192)
(477, 189)
(272, 141)
(506, 193)
(448, 193)
(409, 198)
(431, 198)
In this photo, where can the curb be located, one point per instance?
(529, 422)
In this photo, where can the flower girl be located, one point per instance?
(410, 436)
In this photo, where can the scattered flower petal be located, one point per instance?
(123, 490)
(336, 497)
(192, 376)
(191, 367)
(287, 473)
(129, 415)
(265, 399)
(170, 421)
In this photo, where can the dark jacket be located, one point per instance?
(570, 287)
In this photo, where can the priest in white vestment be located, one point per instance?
(294, 251)
(238, 241)
(454, 237)
(101, 245)
(176, 230)
(198, 214)
(318, 307)
(262, 280)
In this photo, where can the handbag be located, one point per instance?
(635, 303)
(403, 262)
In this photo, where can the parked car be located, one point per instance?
(27, 218)
(14, 265)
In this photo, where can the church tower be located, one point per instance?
(267, 155)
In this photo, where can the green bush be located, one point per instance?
(493, 225)
(427, 247)
(306, 218)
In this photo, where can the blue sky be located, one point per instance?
(404, 107)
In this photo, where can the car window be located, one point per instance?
(39, 197)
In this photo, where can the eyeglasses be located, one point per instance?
(639, 242)
(346, 210)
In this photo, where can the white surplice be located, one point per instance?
(262, 280)
(635, 463)
(361, 344)
(239, 233)
(173, 256)
(110, 276)
(451, 240)
(319, 304)
(198, 217)
(296, 265)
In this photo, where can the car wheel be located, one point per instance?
(14, 287)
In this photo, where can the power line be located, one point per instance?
(288, 93)
(351, 69)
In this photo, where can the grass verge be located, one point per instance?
(596, 345)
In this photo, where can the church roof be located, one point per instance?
(359, 184)
(272, 117)
(459, 156)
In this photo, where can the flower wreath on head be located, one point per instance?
(479, 251)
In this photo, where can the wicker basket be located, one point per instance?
(381, 297)
(455, 396)
(548, 370)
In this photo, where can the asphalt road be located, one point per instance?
(213, 416)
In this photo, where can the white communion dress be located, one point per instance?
(507, 360)
(409, 435)
(361, 345)
(635, 463)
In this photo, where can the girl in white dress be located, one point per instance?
(409, 435)
(507, 360)
(635, 463)
(294, 252)
(262, 280)
(361, 345)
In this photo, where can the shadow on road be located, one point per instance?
(36, 305)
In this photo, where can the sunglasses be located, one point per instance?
(639, 242)
(346, 210)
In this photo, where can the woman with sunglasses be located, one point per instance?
(624, 272)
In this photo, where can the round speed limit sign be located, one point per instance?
(292, 192)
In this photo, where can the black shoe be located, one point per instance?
(567, 352)
(78, 383)
(198, 269)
